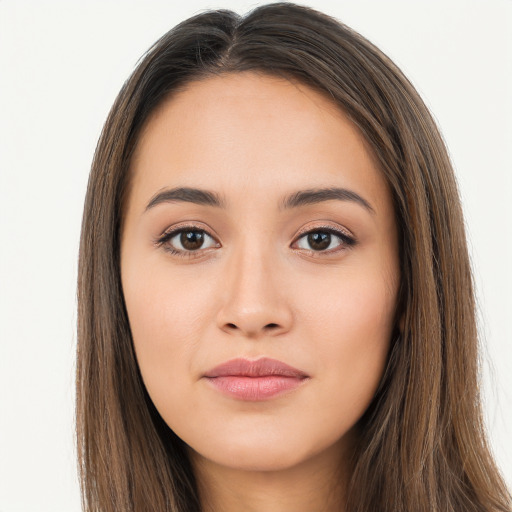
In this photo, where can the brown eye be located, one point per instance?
(325, 240)
(319, 241)
(185, 241)
(191, 240)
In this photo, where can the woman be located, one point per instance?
(276, 309)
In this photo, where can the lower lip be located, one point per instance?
(255, 388)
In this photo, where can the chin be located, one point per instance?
(258, 456)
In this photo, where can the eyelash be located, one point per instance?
(346, 241)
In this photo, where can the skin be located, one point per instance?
(254, 139)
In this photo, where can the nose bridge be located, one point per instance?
(251, 279)
(254, 302)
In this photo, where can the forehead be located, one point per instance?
(253, 134)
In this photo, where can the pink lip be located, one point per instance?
(255, 380)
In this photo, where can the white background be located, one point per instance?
(61, 66)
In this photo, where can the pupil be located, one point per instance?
(319, 240)
(191, 240)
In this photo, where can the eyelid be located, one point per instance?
(326, 227)
(348, 240)
(171, 232)
(190, 226)
(346, 237)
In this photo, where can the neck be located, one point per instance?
(318, 484)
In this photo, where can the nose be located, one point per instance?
(254, 300)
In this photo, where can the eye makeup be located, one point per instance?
(322, 237)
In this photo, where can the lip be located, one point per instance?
(257, 380)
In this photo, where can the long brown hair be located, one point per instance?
(422, 443)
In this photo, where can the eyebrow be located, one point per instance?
(294, 200)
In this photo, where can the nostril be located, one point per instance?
(271, 326)
(233, 326)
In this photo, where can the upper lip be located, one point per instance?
(258, 368)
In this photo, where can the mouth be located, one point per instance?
(258, 380)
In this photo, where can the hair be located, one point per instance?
(422, 444)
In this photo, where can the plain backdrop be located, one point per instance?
(61, 66)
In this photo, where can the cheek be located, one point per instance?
(165, 306)
(352, 326)
(167, 316)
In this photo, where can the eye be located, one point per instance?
(186, 240)
(325, 240)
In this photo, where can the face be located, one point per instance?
(262, 266)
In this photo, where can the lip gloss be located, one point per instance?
(256, 380)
